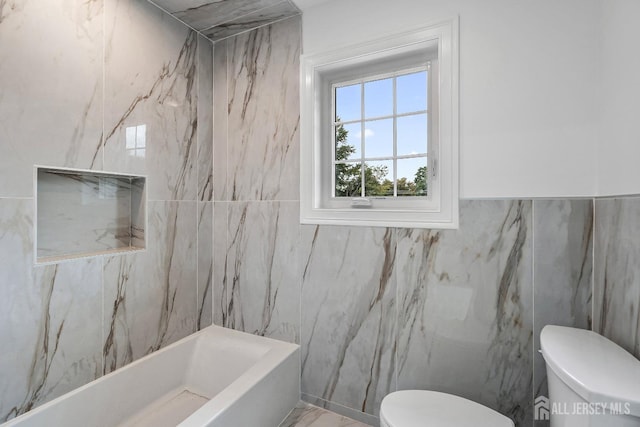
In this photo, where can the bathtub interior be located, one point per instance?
(162, 389)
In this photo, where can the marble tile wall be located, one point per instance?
(114, 85)
(256, 208)
(222, 19)
(616, 272)
(380, 309)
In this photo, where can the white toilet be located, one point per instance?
(592, 381)
(421, 408)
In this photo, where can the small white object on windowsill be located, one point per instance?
(360, 202)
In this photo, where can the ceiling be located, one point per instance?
(219, 19)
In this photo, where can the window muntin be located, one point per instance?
(380, 135)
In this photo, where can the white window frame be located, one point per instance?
(392, 53)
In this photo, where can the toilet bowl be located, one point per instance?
(592, 381)
(421, 408)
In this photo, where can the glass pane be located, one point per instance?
(348, 145)
(378, 137)
(378, 178)
(378, 98)
(348, 180)
(412, 92)
(412, 135)
(348, 103)
(412, 177)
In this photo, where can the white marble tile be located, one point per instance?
(258, 18)
(52, 345)
(201, 14)
(348, 314)
(138, 212)
(82, 214)
(51, 95)
(261, 279)
(465, 307)
(306, 415)
(336, 408)
(563, 254)
(150, 298)
(205, 120)
(205, 264)
(150, 99)
(263, 127)
(220, 121)
(616, 296)
(220, 232)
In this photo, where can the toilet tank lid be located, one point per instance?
(594, 367)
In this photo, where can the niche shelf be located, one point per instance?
(82, 213)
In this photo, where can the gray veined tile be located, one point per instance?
(220, 278)
(202, 15)
(47, 315)
(264, 114)
(150, 297)
(563, 245)
(306, 415)
(220, 118)
(465, 307)
(151, 115)
(19, 305)
(47, 120)
(616, 292)
(259, 18)
(348, 316)
(261, 275)
(205, 120)
(205, 264)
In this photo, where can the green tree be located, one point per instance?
(349, 175)
(421, 181)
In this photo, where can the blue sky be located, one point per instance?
(378, 101)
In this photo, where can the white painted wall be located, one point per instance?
(619, 149)
(529, 93)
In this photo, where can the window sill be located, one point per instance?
(381, 218)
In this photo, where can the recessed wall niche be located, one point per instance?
(86, 213)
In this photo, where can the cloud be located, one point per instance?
(368, 133)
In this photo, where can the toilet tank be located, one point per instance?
(592, 381)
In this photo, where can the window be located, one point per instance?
(379, 140)
(380, 135)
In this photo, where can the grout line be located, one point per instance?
(102, 319)
(593, 264)
(533, 302)
(197, 161)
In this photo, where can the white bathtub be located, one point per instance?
(216, 377)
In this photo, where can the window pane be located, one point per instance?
(348, 144)
(378, 98)
(412, 135)
(348, 180)
(412, 92)
(412, 177)
(378, 178)
(348, 103)
(378, 138)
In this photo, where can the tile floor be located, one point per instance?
(306, 415)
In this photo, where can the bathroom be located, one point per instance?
(547, 198)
